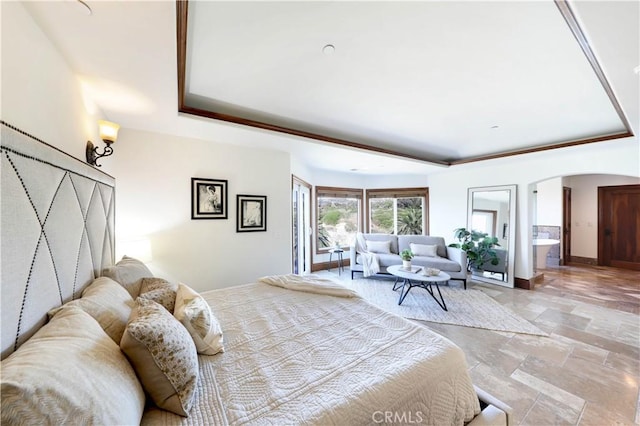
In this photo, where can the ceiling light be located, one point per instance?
(328, 49)
(637, 69)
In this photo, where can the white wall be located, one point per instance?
(153, 174)
(448, 189)
(40, 93)
(549, 202)
(584, 210)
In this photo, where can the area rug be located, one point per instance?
(469, 308)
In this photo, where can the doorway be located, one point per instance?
(301, 226)
(619, 226)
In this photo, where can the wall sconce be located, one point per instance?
(109, 134)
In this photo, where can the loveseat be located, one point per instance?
(431, 252)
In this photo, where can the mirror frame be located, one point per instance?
(511, 254)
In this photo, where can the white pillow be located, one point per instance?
(70, 372)
(107, 302)
(379, 246)
(196, 316)
(129, 273)
(424, 250)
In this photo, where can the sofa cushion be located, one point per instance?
(404, 242)
(441, 263)
(429, 250)
(379, 246)
(384, 237)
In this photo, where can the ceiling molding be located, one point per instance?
(563, 7)
(572, 22)
(542, 148)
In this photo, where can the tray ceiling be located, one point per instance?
(442, 82)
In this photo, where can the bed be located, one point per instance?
(286, 349)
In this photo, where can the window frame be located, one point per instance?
(335, 192)
(396, 193)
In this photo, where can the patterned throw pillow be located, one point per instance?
(163, 355)
(160, 291)
(196, 316)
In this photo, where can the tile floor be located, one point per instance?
(587, 372)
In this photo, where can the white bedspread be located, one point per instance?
(294, 357)
(310, 284)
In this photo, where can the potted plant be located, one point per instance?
(406, 255)
(478, 246)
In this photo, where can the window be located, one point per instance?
(338, 216)
(484, 221)
(398, 211)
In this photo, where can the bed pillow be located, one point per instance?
(196, 316)
(70, 372)
(163, 355)
(107, 302)
(379, 246)
(160, 291)
(128, 272)
(424, 250)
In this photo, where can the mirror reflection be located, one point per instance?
(491, 210)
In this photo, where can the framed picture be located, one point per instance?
(208, 198)
(252, 213)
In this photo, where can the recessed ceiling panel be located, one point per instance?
(441, 81)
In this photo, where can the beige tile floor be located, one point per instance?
(587, 372)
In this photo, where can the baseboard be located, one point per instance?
(322, 266)
(528, 284)
(583, 260)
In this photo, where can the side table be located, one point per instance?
(338, 252)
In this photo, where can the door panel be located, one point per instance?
(619, 226)
(566, 225)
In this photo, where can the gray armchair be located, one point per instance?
(501, 267)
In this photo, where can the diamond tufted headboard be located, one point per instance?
(57, 231)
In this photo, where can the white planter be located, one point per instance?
(406, 264)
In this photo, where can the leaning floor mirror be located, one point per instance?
(492, 210)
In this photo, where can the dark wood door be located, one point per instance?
(566, 226)
(619, 226)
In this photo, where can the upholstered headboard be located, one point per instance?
(57, 231)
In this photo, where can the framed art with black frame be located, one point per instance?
(251, 213)
(208, 198)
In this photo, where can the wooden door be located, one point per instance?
(566, 226)
(619, 226)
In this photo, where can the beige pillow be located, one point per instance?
(424, 250)
(163, 355)
(107, 302)
(70, 372)
(160, 291)
(196, 316)
(128, 272)
(379, 246)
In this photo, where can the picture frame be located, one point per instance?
(251, 213)
(209, 199)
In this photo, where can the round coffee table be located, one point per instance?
(417, 279)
